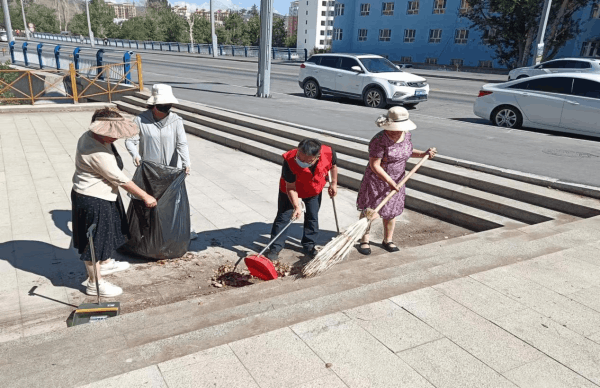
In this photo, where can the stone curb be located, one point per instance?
(52, 108)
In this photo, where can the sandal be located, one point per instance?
(390, 246)
(365, 251)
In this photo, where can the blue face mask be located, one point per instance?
(303, 164)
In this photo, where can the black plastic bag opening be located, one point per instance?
(162, 232)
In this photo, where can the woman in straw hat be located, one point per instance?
(95, 197)
(389, 150)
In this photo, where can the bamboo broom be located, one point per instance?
(338, 248)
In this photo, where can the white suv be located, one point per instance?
(564, 65)
(371, 78)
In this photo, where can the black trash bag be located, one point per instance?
(162, 232)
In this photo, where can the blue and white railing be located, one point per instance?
(283, 53)
(34, 55)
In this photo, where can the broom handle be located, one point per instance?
(402, 182)
(337, 225)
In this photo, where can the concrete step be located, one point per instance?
(516, 190)
(140, 339)
(271, 147)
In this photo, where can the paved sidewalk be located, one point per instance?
(532, 324)
(233, 198)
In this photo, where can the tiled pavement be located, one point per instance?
(532, 324)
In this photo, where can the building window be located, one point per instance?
(324, 4)
(337, 34)
(330, 22)
(387, 9)
(339, 9)
(362, 35)
(485, 64)
(431, 61)
(306, 22)
(439, 7)
(464, 7)
(596, 11)
(331, 3)
(365, 9)
(461, 36)
(305, 31)
(322, 42)
(413, 8)
(409, 36)
(323, 32)
(304, 41)
(489, 34)
(456, 62)
(590, 49)
(330, 13)
(323, 13)
(322, 22)
(406, 59)
(307, 13)
(435, 36)
(385, 35)
(329, 32)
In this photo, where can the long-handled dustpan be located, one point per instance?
(258, 265)
(94, 312)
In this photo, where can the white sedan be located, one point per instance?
(566, 102)
(565, 65)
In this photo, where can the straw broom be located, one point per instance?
(338, 248)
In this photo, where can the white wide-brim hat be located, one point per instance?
(162, 95)
(396, 119)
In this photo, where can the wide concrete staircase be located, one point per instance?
(90, 353)
(475, 200)
(516, 221)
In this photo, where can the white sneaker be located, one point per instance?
(107, 290)
(113, 266)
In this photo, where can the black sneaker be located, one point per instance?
(312, 252)
(272, 255)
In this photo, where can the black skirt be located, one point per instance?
(112, 229)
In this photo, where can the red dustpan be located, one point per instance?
(258, 265)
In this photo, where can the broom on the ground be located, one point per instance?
(338, 248)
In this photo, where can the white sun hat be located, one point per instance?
(162, 95)
(396, 119)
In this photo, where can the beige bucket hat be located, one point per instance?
(162, 95)
(396, 119)
(117, 128)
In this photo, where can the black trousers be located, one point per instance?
(285, 209)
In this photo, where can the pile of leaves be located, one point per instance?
(225, 276)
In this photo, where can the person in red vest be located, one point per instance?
(303, 178)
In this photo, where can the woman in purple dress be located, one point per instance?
(388, 152)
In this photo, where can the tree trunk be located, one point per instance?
(524, 57)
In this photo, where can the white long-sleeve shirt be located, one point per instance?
(161, 141)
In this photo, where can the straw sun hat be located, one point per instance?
(396, 119)
(115, 127)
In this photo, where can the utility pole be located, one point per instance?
(542, 32)
(27, 36)
(212, 30)
(90, 32)
(7, 25)
(264, 49)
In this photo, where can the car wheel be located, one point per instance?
(374, 98)
(311, 89)
(522, 76)
(409, 106)
(507, 117)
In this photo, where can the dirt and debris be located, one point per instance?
(225, 275)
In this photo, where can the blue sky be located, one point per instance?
(280, 6)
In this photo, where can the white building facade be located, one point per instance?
(315, 24)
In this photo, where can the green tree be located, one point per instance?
(101, 19)
(291, 41)
(253, 31)
(510, 27)
(138, 28)
(253, 10)
(170, 26)
(279, 34)
(202, 31)
(235, 29)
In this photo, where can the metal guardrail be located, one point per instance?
(83, 82)
(284, 53)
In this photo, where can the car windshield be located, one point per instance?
(379, 65)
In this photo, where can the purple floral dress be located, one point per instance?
(372, 189)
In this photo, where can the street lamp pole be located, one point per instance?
(26, 28)
(542, 32)
(90, 32)
(7, 24)
(264, 61)
(212, 30)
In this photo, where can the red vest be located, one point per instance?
(307, 184)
